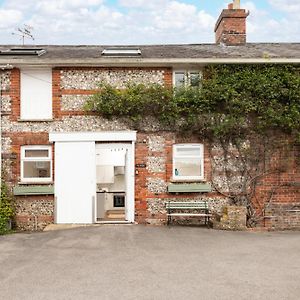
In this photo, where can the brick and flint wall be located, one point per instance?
(71, 88)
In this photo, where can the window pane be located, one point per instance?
(36, 169)
(179, 79)
(185, 151)
(36, 153)
(187, 167)
(194, 79)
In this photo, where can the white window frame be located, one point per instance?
(187, 76)
(200, 157)
(24, 159)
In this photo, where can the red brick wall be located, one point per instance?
(231, 27)
(280, 190)
(56, 94)
(22, 139)
(14, 93)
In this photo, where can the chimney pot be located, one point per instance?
(236, 4)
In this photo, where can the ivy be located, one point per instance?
(233, 101)
(135, 102)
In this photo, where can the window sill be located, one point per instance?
(35, 183)
(189, 188)
(33, 190)
(35, 120)
(178, 180)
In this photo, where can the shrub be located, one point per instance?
(6, 209)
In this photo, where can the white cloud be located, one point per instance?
(9, 18)
(141, 22)
(160, 21)
(263, 27)
(145, 4)
(175, 16)
(56, 5)
(20, 5)
(289, 6)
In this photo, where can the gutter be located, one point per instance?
(146, 62)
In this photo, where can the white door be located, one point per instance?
(75, 182)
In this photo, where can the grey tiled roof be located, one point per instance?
(209, 51)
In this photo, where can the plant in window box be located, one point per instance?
(6, 209)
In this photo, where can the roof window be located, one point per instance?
(114, 51)
(23, 51)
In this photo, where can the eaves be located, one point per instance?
(142, 62)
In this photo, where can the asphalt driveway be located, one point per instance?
(139, 262)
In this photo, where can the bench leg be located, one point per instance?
(208, 219)
(169, 220)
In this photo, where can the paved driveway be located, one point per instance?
(138, 262)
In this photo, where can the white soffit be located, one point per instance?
(104, 136)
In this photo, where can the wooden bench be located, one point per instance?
(188, 209)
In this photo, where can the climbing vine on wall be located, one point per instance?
(232, 102)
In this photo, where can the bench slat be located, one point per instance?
(188, 208)
(188, 214)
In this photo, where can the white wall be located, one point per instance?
(36, 94)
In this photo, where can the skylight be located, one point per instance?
(114, 51)
(23, 51)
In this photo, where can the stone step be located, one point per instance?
(115, 214)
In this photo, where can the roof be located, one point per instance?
(160, 54)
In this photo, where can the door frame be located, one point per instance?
(130, 180)
(128, 137)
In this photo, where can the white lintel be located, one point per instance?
(100, 136)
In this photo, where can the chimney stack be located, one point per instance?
(230, 28)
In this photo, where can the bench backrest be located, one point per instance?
(187, 205)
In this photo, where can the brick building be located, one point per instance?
(68, 166)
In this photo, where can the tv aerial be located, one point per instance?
(24, 33)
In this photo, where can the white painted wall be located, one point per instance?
(36, 94)
(75, 182)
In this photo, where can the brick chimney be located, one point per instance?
(230, 28)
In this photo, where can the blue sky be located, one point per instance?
(143, 21)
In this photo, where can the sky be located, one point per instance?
(129, 22)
